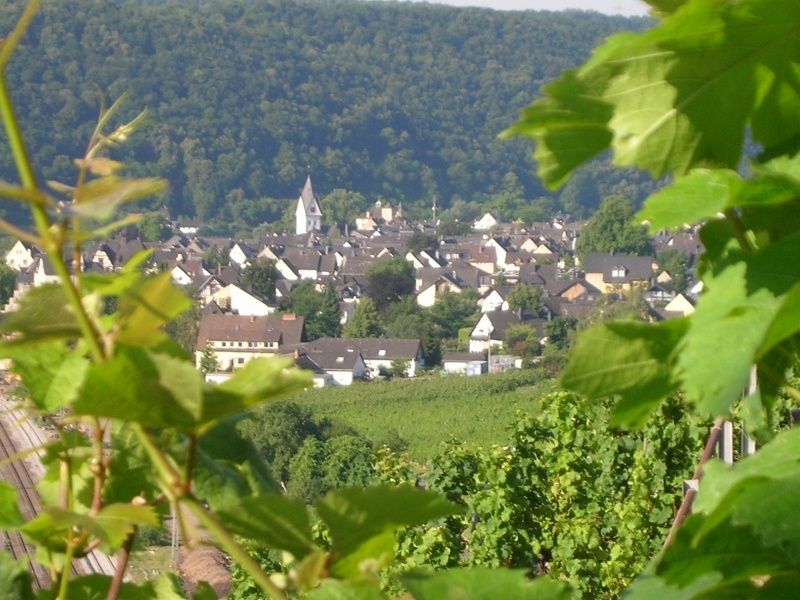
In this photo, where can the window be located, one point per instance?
(224, 344)
(240, 361)
(381, 352)
(241, 344)
(618, 272)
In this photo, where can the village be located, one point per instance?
(237, 323)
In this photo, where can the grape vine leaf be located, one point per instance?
(42, 315)
(693, 198)
(665, 104)
(10, 517)
(16, 581)
(741, 300)
(146, 306)
(628, 358)
(362, 521)
(100, 197)
(482, 584)
(277, 522)
(339, 590)
(51, 372)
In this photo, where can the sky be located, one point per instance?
(611, 7)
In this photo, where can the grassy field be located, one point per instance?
(424, 412)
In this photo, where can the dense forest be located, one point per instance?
(396, 101)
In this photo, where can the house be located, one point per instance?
(495, 299)
(485, 223)
(490, 330)
(240, 254)
(235, 299)
(618, 272)
(307, 215)
(428, 292)
(339, 367)
(378, 353)
(21, 255)
(236, 339)
(465, 363)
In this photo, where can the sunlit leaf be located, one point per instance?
(99, 198)
(143, 387)
(634, 360)
(10, 516)
(482, 584)
(16, 581)
(51, 371)
(362, 522)
(144, 308)
(43, 313)
(701, 194)
(273, 520)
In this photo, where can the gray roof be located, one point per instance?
(635, 267)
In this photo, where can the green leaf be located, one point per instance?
(777, 460)
(259, 380)
(145, 307)
(340, 590)
(741, 300)
(10, 516)
(131, 472)
(16, 581)
(273, 520)
(569, 126)
(51, 372)
(140, 386)
(99, 198)
(95, 587)
(628, 358)
(362, 522)
(700, 195)
(650, 587)
(482, 584)
(111, 525)
(43, 314)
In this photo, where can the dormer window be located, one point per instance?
(619, 272)
(381, 352)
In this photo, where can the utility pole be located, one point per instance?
(434, 214)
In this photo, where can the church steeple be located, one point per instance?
(308, 215)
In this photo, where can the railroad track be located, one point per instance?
(18, 434)
(16, 473)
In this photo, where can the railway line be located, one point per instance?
(18, 435)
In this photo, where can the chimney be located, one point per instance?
(289, 317)
(252, 318)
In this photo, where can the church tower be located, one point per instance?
(308, 216)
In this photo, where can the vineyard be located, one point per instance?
(425, 412)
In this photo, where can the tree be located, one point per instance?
(320, 310)
(419, 326)
(365, 322)
(278, 430)
(8, 281)
(390, 281)
(522, 340)
(260, 276)
(208, 361)
(215, 257)
(613, 229)
(676, 263)
(454, 310)
(420, 241)
(559, 331)
(525, 298)
(154, 227)
(341, 207)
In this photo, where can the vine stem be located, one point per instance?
(63, 586)
(739, 230)
(688, 499)
(122, 566)
(232, 547)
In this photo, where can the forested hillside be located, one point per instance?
(398, 101)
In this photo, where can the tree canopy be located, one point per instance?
(398, 101)
(613, 229)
